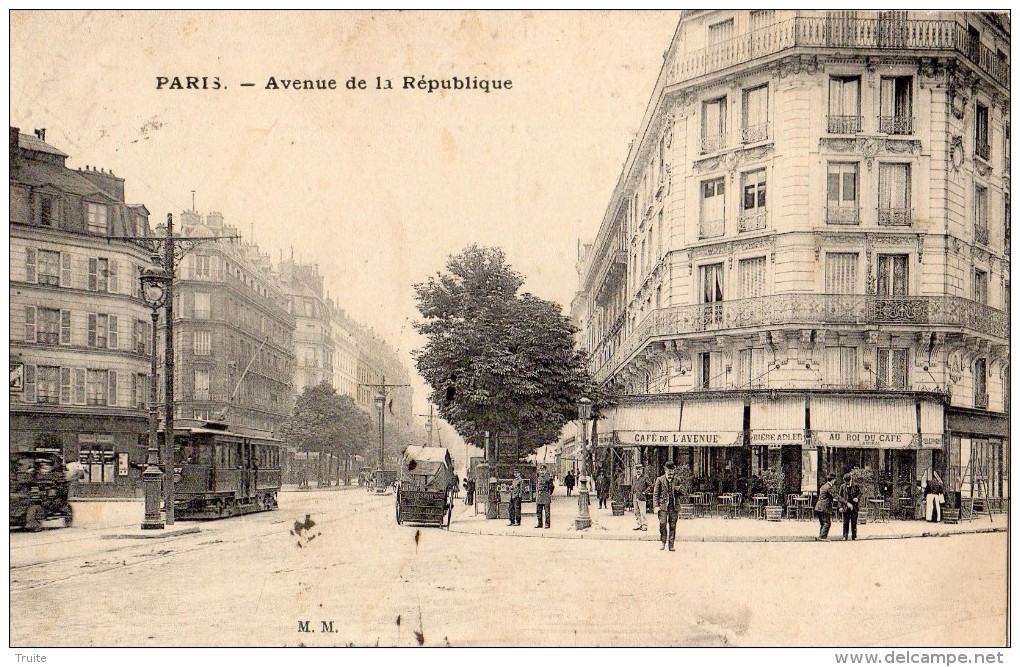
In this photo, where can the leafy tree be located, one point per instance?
(328, 423)
(497, 360)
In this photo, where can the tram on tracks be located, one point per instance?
(221, 471)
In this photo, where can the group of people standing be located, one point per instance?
(544, 487)
(847, 496)
(666, 498)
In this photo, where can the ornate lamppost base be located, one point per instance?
(583, 520)
(151, 483)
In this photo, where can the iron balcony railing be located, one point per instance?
(844, 124)
(710, 229)
(894, 217)
(808, 310)
(981, 401)
(824, 32)
(710, 143)
(896, 124)
(750, 221)
(981, 234)
(843, 215)
(752, 134)
(983, 150)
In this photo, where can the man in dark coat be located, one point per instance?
(823, 508)
(666, 501)
(516, 496)
(850, 497)
(543, 497)
(568, 482)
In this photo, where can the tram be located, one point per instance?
(221, 471)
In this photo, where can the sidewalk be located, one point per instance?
(605, 526)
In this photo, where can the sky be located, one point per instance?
(378, 187)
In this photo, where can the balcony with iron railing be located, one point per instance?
(752, 220)
(845, 310)
(710, 229)
(710, 143)
(896, 124)
(843, 124)
(753, 134)
(983, 150)
(843, 215)
(981, 401)
(815, 32)
(981, 234)
(894, 217)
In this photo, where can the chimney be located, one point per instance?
(41, 133)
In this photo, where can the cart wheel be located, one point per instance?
(449, 514)
(399, 521)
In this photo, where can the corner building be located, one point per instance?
(805, 262)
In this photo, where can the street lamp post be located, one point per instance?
(583, 519)
(153, 282)
(380, 403)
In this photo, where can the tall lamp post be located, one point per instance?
(380, 403)
(153, 279)
(583, 519)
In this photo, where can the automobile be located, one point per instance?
(39, 490)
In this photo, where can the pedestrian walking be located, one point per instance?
(665, 495)
(543, 497)
(602, 490)
(456, 485)
(823, 508)
(639, 489)
(934, 496)
(516, 494)
(850, 498)
(569, 481)
(469, 491)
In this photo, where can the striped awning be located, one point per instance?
(864, 422)
(777, 421)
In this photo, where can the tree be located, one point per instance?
(328, 423)
(497, 360)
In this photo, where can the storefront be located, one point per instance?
(899, 439)
(777, 441)
(977, 456)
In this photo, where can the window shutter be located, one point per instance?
(113, 284)
(30, 273)
(79, 386)
(65, 385)
(65, 327)
(112, 386)
(114, 333)
(93, 272)
(29, 394)
(883, 368)
(92, 330)
(30, 324)
(65, 269)
(899, 377)
(133, 396)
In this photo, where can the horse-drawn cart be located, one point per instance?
(425, 486)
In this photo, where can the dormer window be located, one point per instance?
(99, 219)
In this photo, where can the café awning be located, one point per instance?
(646, 423)
(717, 422)
(864, 422)
(932, 425)
(777, 421)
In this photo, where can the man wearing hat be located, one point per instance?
(639, 488)
(516, 495)
(543, 496)
(850, 497)
(823, 508)
(666, 497)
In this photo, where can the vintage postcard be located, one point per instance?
(638, 329)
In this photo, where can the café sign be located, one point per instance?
(763, 437)
(681, 438)
(858, 439)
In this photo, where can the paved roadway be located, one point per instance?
(248, 581)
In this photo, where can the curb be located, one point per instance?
(153, 534)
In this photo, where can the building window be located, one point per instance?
(99, 219)
(140, 390)
(752, 204)
(720, 32)
(841, 199)
(892, 368)
(981, 215)
(896, 109)
(892, 275)
(103, 331)
(762, 18)
(980, 291)
(711, 372)
(48, 268)
(841, 273)
(142, 335)
(752, 277)
(202, 306)
(981, 384)
(841, 366)
(894, 194)
(755, 126)
(49, 211)
(103, 275)
(752, 368)
(713, 209)
(203, 343)
(202, 266)
(1005, 148)
(47, 326)
(47, 380)
(201, 384)
(712, 294)
(713, 125)
(844, 105)
(97, 387)
(981, 146)
(95, 453)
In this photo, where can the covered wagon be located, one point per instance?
(425, 484)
